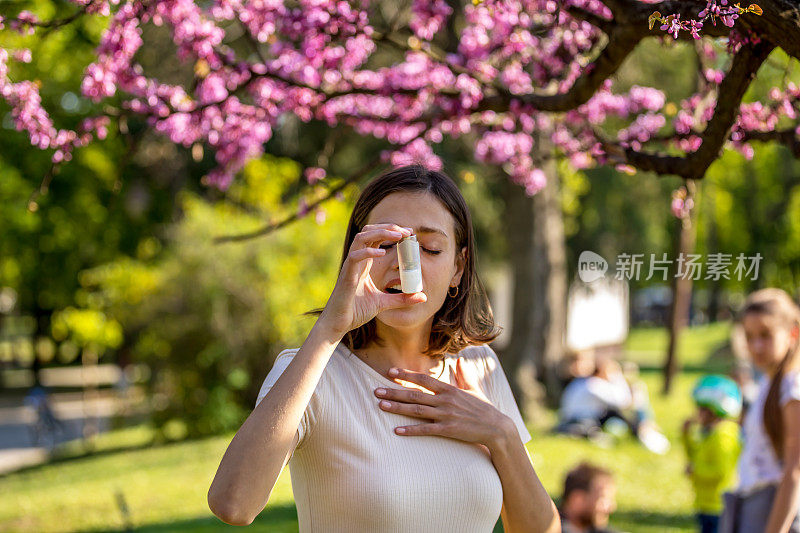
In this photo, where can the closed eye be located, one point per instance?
(432, 252)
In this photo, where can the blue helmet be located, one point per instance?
(719, 394)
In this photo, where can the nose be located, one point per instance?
(394, 259)
(756, 347)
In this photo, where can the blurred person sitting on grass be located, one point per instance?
(588, 500)
(607, 400)
(574, 365)
(713, 443)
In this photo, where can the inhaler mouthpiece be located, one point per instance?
(410, 269)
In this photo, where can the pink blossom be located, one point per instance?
(314, 174)
(428, 16)
(320, 216)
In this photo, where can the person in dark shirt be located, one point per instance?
(589, 499)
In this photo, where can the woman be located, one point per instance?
(445, 452)
(768, 492)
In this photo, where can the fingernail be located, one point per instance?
(384, 403)
(401, 430)
(393, 372)
(380, 392)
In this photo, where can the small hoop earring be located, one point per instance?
(452, 295)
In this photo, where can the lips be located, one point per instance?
(393, 282)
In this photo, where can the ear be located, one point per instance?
(461, 262)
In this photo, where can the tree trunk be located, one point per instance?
(715, 286)
(681, 297)
(537, 251)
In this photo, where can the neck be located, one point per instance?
(791, 365)
(402, 348)
(577, 524)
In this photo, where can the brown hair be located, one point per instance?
(582, 477)
(775, 302)
(463, 320)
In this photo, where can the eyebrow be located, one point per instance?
(423, 229)
(427, 229)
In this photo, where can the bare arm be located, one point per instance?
(260, 449)
(526, 504)
(784, 507)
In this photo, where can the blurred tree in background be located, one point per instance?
(208, 318)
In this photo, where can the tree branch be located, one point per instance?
(693, 166)
(788, 138)
(274, 226)
(269, 228)
(53, 23)
(634, 15)
(621, 43)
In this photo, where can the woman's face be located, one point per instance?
(768, 339)
(434, 228)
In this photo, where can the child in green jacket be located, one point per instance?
(712, 441)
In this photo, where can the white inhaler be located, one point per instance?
(410, 267)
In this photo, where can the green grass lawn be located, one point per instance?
(647, 346)
(164, 487)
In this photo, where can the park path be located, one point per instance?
(17, 449)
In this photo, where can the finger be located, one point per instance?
(408, 396)
(393, 227)
(366, 253)
(352, 267)
(434, 428)
(429, 382)
(411, 409)
(376, 235)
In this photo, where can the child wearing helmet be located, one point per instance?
(712, 441)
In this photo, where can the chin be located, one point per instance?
(402, 317)
(765, 364)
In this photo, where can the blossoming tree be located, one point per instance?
(514, 75)
(513, 67)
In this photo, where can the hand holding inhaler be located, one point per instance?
(355, 299)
